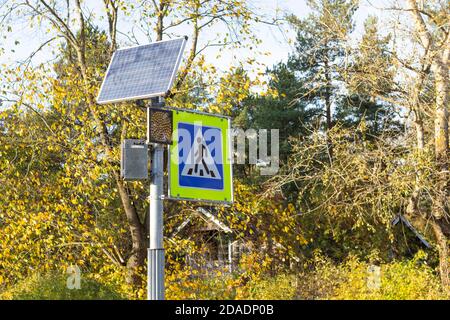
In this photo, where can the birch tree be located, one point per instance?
(70, 21)
(432, 30)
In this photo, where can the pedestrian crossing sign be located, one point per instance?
(200, 158)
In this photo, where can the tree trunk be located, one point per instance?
(412, 208)
(420, 136)
(328, 108)
(136, 260)
(441, 139)
(438, 55)
(160, 21)
(441, 240)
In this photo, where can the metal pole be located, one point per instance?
(155, 271)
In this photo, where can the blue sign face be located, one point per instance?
(200, 156)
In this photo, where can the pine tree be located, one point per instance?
(369, 76)
(320, 50)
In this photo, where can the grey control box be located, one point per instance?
(134, 160)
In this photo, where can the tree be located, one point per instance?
(278, 108)
(420, 88)
(321, 51)
(82, 68)
(368, 76)
(437, 50)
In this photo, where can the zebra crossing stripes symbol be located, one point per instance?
(202, 164)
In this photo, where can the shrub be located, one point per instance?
(399, 280)
(319, 280)
(53, 287)
(213, 286)
(280, 287)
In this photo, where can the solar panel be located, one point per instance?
(142, 72)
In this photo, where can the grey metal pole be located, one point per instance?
(155, 271)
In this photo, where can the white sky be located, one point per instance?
(274, 41)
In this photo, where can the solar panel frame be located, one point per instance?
(150, 95)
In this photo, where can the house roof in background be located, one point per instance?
(400, 218)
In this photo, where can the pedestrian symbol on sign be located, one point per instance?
(199, 162)
(201, 157)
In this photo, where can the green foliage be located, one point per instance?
(372, 72)
(54, 287)
(321, 44)
(280, 107)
